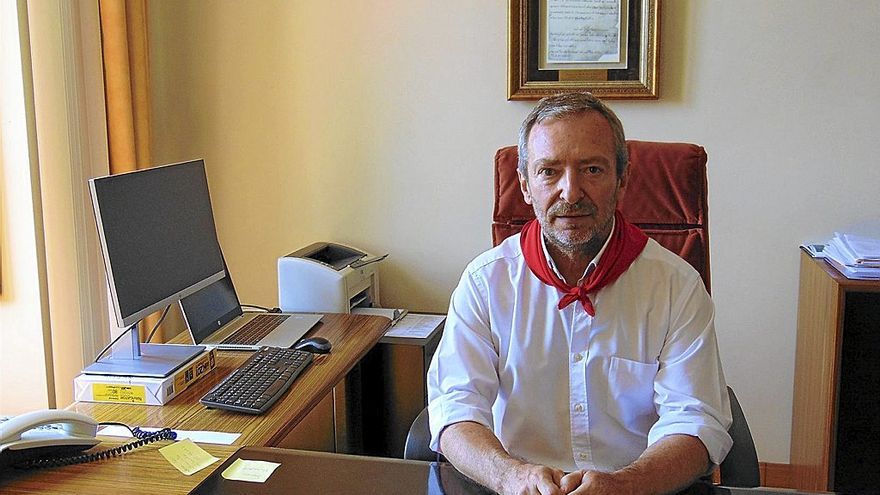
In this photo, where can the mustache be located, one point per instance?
(580, 208)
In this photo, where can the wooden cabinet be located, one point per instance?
(835, 432)
(395, 390)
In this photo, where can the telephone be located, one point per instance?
(51, 438)
(45, 433)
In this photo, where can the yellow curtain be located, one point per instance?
(127, 92)
(127, 85)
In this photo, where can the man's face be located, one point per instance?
(572, 181)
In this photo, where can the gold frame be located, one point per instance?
(523, 85)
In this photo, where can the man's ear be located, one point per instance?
(622, 183)
(524, 186)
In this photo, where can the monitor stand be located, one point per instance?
(147, 360)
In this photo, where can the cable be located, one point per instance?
(113, 423)
(135, 432)
(156, 326)
(131, 328)
(163, 434)
(261, 308)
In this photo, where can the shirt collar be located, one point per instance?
(590, 267)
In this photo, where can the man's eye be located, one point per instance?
(546, 172)
(594, 170)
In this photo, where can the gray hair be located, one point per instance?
(565, 105)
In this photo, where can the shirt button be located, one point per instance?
(582, 456)
(578, 357)
(579, 407)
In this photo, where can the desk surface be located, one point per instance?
(351, 335)
(145, 471)
(302, 472)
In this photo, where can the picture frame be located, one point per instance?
(540, 65)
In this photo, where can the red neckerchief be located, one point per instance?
(626, 243)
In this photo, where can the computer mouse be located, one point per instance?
(315, 345)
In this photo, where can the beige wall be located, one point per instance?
(374, 124)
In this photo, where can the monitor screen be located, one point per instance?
(157, 236)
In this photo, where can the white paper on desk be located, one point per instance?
(415, 326)
(217, 437)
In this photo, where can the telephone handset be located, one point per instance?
(45, 433)
(56, 438)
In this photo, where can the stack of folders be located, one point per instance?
(855, 256)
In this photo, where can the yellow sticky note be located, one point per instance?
(254, 471)
(187, 457)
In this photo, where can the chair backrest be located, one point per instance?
(740, 467)
(418, 440)
(666, 198)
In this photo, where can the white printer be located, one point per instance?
(328, 278)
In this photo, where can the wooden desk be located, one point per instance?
(143, 470)
(352, 337)
(835, 410)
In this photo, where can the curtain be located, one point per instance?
(124, 45)
(126, 81)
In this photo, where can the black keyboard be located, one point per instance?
(259, 381)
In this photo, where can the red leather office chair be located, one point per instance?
(666, 198)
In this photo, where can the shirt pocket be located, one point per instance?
(630, 399)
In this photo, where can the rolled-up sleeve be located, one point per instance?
(690, 391)
(462, 378)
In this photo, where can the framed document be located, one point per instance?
(607, 47)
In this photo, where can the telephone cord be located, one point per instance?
(143, 439)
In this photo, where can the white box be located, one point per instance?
(142, 390)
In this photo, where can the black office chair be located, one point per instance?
(739, 469)
(418, 440)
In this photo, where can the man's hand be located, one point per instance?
(669, 465)
(475, 451)
(532, 479)
(596, 483)
(672, 463)
(571, 481)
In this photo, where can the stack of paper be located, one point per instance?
(855, 256)
(416, 326)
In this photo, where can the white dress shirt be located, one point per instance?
(563, 389)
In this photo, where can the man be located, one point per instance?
(579, 346)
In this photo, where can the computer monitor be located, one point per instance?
(159, 244)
